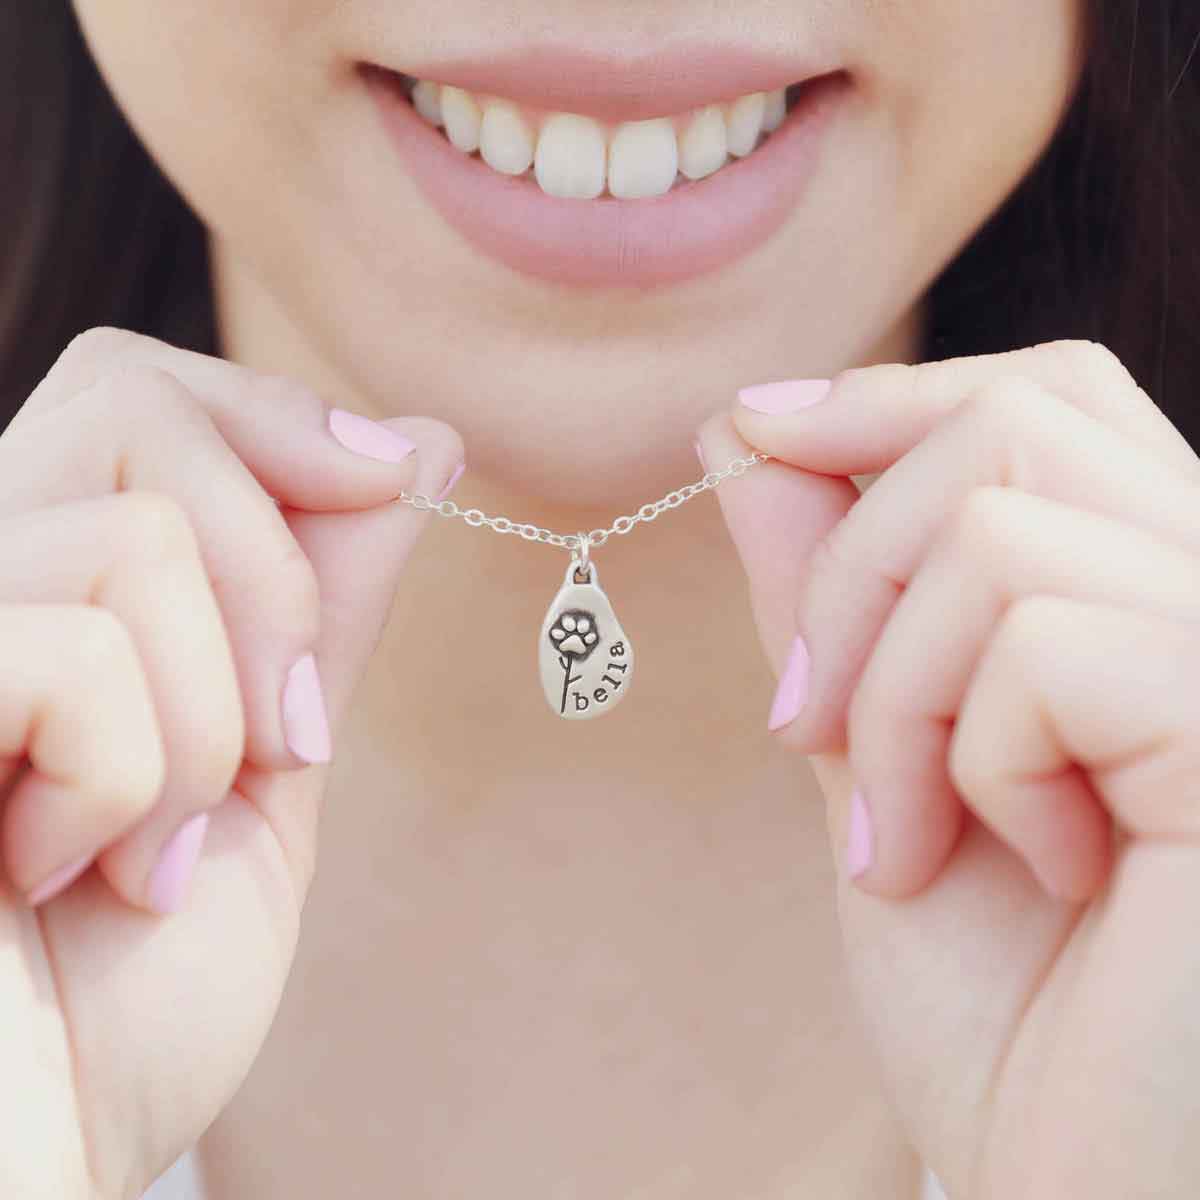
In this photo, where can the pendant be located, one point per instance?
(585, 658)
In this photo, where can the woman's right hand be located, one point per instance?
(185, 547)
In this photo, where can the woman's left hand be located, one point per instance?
(1001, 650)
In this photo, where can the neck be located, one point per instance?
(451, 718)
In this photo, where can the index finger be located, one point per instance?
(297, 445)
(868, 417)
(1013, 434)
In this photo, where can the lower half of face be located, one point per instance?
(586, 223)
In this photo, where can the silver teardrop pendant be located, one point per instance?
(585, 658)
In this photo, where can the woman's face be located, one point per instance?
(571, 338)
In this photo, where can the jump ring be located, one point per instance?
(585, 542)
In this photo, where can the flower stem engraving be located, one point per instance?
(575, 636)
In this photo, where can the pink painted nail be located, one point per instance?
(792, 693)
(789, 396)
(454, 478)
(305, 724)
(364, 436)
(858, 842)
(59, 881)
(700, 455)
(176, 864)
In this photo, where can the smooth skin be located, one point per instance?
(610, 964)
(1003, 641)
(146, 636)
(1002, 645)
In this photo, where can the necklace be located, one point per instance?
(585, 658)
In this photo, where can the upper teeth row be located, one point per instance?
(577, 157)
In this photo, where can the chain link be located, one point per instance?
(597, 537)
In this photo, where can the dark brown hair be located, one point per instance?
(1100, 240)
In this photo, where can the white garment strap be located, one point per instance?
(180, 1182)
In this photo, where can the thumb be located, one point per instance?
(777, 515)
(359, 557)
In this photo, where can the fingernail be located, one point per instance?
(364, 436)
(59, 881)
(858, 841)
(791, 395)
(700, 455)
(462, 466)
(305, 724)
(792, 693)
(176, 864)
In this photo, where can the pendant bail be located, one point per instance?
(583, 552)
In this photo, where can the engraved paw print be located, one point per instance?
(575, 633)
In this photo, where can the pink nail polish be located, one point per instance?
(700, 455)
(364, 436)
(858, 841)
(59, 881)
(792, 693)
(791, 395)
(454, 478)
(173, 873)
(305, 723)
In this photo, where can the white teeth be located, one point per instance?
(745, 122)
(775, 110)
(505, 140)
(703, 148)
(462, 117)
(576, 157)
(643, 159)
(570, 158)
(427, 100)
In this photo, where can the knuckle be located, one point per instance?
(1019, 642)
(841, 562)
(290, 591)
(1007, 421)
(1092, 360)
(1022, 632)
(153, 526)
(980, 525)
(99, 343)
(104, 650)
(136, 395)
(151, 391)
(900, 383)
(967, 769)
(102, 645)
(829, 560)
(1102, 373)
(297, 401)
(926, 377)
(136, 791)
(1002, 406)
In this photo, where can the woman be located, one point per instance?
(591, 958)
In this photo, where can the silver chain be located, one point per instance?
(597, 537)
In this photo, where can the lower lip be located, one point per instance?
(695, 228)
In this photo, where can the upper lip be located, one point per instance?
(621, 86)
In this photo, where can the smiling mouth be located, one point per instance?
(572, 156)
(593, 168)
